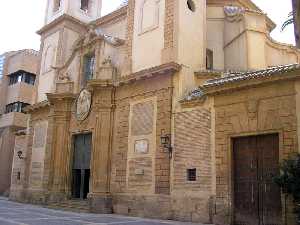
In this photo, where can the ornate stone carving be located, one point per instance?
(83, 105)
(64, 77)
(106, 71)
(234, 13)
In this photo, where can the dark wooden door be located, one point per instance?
(81, 165)
(257, 200)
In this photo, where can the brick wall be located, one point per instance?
(129, 35)
(192, 150)
(169, 24)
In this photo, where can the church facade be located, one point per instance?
(166, 109)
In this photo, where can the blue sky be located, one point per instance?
(20, 19)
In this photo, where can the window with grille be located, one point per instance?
(88, 67)
(191, 174)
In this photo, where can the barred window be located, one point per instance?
(88, 67)
(192, 174)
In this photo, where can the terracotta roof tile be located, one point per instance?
(240, 76)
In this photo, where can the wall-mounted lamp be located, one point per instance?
(20, 153)
(165, 141)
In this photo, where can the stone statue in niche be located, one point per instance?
(83, 105)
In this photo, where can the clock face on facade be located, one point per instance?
(83, 105)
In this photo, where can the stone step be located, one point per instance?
(71, 205)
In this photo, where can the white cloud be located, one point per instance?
(20, 19)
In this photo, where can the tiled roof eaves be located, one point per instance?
(237, 77)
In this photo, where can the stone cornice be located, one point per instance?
(54, 97)
(208, 74)
(115, 15)
(37, 106)
(246, 4)
(60, 20)
(168, 68)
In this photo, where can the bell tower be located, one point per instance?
(65, 22)
(83, 10)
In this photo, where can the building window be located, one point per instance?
(22, 76)
(16, 107)
(84, 5)
(88, 67)
(191, 5)
(2, 60)
(19, 176)
(191, 174)
(56, 6)
(209, 59)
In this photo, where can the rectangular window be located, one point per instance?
(88, 67)
(84, 5)
(191, 174)
(209, 59)
(19, 176)
(22, 76)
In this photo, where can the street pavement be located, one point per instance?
(12, 213)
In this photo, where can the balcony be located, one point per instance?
(15, 119)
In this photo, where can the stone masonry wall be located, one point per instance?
(6, 158)
(125, 201)
(254, 111)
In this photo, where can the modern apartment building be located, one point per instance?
(18, 71)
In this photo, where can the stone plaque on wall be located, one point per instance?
(142, 118)
(40, 134)
(141, 146)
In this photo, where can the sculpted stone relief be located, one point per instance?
(83, 105)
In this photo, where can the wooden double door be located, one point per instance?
(257, 200)
(81, 166)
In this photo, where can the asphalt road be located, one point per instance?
(12, 213)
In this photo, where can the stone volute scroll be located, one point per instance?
(83, 105)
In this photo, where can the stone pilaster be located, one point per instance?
(59, 184)
(103, 107)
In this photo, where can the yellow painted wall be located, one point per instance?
(148, 39)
